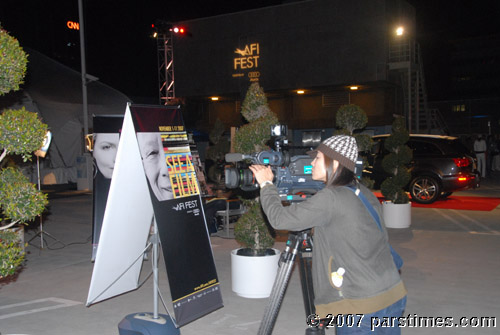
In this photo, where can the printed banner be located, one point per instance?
(104, 147)
(175, 194)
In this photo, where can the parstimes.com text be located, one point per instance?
(408, 321)
(415, 321)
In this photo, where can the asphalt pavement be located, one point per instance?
(451, 271)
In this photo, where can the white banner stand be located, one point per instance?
(124, 234)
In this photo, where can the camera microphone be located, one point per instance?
(235, 157)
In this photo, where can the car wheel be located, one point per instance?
(445, 195)
(424, 189)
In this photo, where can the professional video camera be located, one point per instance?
(292, 174)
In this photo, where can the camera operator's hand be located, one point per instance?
(262, 173)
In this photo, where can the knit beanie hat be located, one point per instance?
(341, 148)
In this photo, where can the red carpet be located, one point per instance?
(458, 202)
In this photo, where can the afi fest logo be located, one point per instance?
(249, 57)
(182, 206)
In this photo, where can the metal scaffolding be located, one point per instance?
(166, 67)
(405, 57)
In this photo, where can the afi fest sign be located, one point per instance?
(247, 61)
(154, 182)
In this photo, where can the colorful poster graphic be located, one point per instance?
(175, 195)
(105, 144)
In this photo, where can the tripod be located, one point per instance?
(301, 244)
(40, 231)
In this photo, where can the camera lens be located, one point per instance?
(232, 178)
(247, 180)
(242, 178)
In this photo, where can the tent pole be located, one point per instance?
(156, 240)
(88, 158)
(84, 70)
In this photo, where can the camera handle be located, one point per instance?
(301, 244)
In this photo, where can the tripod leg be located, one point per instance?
(315, 331)
(305, 265)
(278, 291)
(276, 287)
(280, 277)
(302, 245)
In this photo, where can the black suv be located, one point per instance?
(441, 165)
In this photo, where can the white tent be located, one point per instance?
(55, 92)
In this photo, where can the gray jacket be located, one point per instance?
(345, 236)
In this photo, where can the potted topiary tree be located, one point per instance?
(21, 133)
(397, 208)
(254, 266)
(351, 118)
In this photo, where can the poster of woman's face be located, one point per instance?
(155, 165)
(104, 152)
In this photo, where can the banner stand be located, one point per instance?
(145, 323)
(98, 296)
(154, 178)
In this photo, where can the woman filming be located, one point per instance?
(354, 274)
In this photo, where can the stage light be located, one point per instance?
(155, 31)
(89, 142)
(354, 88)
(300, 92)
(179, 30)
(400, 31)
(45, 145)
(214, 98)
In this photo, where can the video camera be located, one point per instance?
(292, 174)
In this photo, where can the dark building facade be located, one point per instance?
(473, 84)
(322, 47)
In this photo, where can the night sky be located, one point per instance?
(121, 53)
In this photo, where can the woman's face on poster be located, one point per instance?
(155, 165)
(104, 152)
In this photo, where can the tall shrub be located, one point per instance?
(252, 230)
(395, 163)
(351, 118)
(21, 133)
(11, 254)
(13, 62)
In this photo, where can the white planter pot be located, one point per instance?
(253, 276)
(396, 215)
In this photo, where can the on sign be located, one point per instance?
(73, 25)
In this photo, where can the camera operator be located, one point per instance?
(353, 269)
